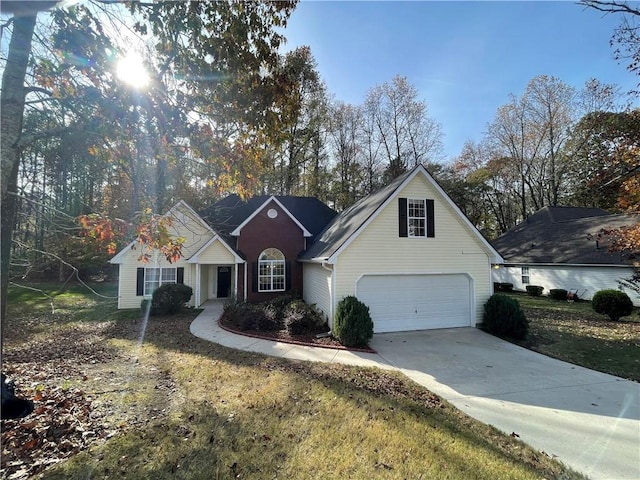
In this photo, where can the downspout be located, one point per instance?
(331, 294)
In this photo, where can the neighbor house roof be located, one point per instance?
(347, 225)
(564, 235)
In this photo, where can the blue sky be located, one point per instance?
(465, 58)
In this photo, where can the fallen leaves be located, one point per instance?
(77, 381)
(63, 423)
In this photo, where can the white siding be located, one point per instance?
(127, 277)
(586, 280)
(183, 225)
(191, 228)
(379, 249)
(204, 283)
(216, 253)
(317, 287)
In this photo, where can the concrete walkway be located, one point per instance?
(588, 420)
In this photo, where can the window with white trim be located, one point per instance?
(154, 277)
(271, 271)
(524, 272)
(416, 217)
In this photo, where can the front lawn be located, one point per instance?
(117, 396)
(573, 332)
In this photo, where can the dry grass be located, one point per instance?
(181, 407)
(573, 332)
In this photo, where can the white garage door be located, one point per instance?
(416, 302)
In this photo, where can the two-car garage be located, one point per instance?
(403, 302)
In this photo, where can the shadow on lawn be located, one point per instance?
(209, 440)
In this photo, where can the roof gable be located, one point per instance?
(180, 208)
(195, 258)
(232, 213)
(348, 224)
(563, 235)
(238, 229)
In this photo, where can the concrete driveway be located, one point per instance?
(589, 420)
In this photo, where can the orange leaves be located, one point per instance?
(629, 195)
(623, 239)
(151, 233)
(104, 232)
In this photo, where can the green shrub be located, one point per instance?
(505, 287)
(169, 299)
(504, 317)
(352, 324)
(300, 316)
(613, 303)
(558, 293)
(534, 290)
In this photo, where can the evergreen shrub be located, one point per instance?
(534, 290)
(558, 293)
(613, 303)
(504, 317)
(352, 324)
(169, 299)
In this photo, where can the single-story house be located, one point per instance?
(557, 247)
(407, 251)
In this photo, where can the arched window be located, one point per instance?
(271, 271)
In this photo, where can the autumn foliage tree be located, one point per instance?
(626, 40)
(209, 100)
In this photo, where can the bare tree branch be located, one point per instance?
(610, 6)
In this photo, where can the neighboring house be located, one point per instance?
(557, 248)
(406, 251)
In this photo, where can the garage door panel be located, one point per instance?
(416, 302)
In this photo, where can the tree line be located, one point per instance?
(226, 112)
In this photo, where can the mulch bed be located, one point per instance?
(309, 338)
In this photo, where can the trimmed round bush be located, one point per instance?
(352, 325)
(169, 299)
(503, 317)
(613, 303)
(558, 293)
(534, 290)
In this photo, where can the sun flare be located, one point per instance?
(131, 70)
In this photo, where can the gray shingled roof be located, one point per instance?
(350, 220)
(227, 214)
(562, 235)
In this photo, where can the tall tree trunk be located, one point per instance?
(11, 115)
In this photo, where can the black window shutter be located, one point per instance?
(431, 228)
(402, 217)
(254, 276)
(180, 275)
(140, 282)
(287, 275)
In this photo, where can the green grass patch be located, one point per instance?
(573, 332)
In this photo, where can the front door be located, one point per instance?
(224, 282)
